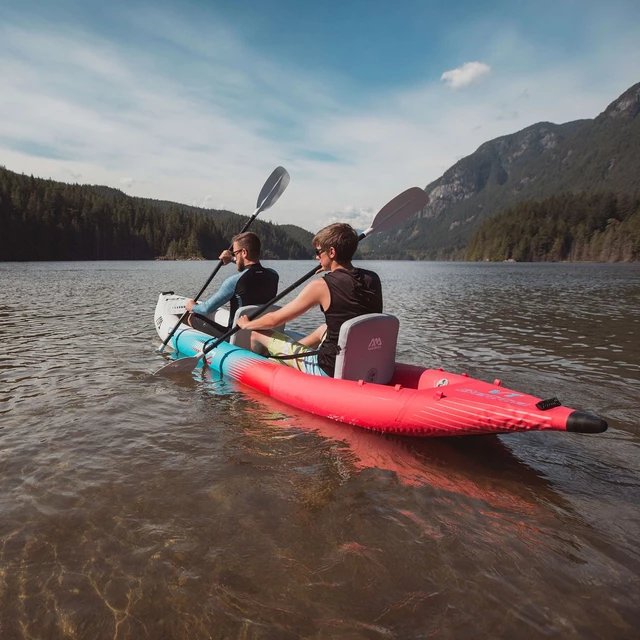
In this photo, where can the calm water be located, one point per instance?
(141, 507)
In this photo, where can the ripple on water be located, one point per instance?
(141, 507)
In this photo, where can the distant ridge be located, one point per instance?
(540, 161)
(48, 220)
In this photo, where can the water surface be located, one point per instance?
(141, 507)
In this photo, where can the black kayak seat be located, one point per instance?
(242, 338)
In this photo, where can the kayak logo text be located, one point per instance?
(502, 395)
(376, 343)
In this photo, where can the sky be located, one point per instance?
(198, 101)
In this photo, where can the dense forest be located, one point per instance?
(49, 220)
(599, 227)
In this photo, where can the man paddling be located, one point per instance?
(344, 293)
(253, 284)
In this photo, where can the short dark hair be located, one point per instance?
(249, 241)
(341, 236)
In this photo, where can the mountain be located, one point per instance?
(49, 220)
(543, 160)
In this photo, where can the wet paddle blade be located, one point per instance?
(273, 188)
(181, 365)
(396, 211)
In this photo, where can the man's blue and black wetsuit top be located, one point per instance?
(254, 285)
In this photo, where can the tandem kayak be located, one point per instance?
(399, 398)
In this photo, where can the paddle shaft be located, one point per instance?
(206, 284)
(393, 213)
(271, 192)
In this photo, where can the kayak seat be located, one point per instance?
(368, 348)
(242, 338)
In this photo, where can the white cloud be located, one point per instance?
(208, 202)
(77, 177)
(359, 218)
(465, 75)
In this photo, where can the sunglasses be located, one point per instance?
(233, 253)
(319, 252)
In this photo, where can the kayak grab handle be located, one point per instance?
(549, 403)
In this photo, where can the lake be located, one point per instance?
(135, 506)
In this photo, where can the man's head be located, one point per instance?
(341, 237)
(246, 248)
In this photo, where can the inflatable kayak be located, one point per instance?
(372, 390)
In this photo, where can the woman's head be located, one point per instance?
(341, 236)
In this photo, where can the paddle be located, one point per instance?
(273, 188)
(393, 213)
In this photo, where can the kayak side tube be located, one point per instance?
(417, 401)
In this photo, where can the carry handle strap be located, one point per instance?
(307, 354)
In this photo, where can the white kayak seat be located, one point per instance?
(221, 316)
(368, 348)
(176, 305)
(242, 338)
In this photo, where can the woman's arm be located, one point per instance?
(313, 294)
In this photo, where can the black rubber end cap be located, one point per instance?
(579, 422)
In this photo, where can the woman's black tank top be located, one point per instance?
(354, 292)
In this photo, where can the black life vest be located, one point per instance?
(354, 292)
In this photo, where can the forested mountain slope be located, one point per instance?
(585, 226)
(49, 220)
(543, 160)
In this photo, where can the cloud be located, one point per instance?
(206, 120)
(208, 202)
(76, 176)
(465, 75)
(359, 218)
(507, 114)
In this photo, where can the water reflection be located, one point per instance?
(481, 468)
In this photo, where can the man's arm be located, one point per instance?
(315, 293)
(222, 295)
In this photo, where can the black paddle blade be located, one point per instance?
(401, 208)
(273, 188)
(181, 365)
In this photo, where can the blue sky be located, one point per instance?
(197, 102)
